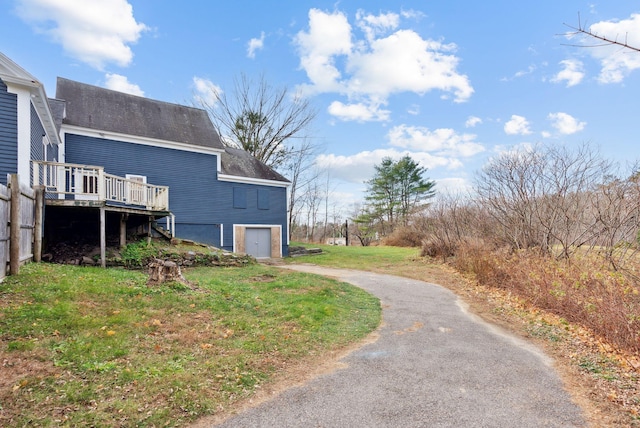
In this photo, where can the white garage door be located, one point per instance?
(258, 242)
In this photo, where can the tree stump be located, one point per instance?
(161, 271)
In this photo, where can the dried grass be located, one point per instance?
(581, 289)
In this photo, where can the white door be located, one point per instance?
(258, 242)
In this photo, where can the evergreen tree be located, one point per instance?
(397, 190)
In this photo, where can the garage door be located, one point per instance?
(258, 242)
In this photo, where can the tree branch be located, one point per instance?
(582, 29)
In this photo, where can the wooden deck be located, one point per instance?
(86, 184)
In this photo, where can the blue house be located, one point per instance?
(123, 161)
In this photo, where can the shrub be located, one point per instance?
(438, 248)
(138, 254)
(580, 289)
(405, 236)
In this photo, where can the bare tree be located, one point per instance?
(259, 118)
(312, 200)
(543, 197)
(616, 206)
(299, 169)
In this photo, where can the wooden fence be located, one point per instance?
(20, 225)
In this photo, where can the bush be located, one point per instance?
(138, 254)
(437, 248)
(405, 236)
(581, 290)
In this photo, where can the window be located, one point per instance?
(239, 197)
(263, 199)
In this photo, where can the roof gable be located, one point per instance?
(102, 109)
(11, 73)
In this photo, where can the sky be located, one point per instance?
(450, 83)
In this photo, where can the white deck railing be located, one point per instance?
(86, 182)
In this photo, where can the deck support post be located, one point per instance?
(149, 231)
(103, 238)
(38, 224)
(123, 230)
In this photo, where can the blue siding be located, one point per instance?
(274, 214)
(37, 132)
(8, 133)
(52, 153)
(200, 203)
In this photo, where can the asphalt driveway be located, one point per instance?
(434, 365)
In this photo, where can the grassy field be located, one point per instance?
(363, 258)
(91, 347)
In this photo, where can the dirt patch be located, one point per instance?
(20, 370)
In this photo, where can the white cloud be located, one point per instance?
(404, 62)
(572, 73)
(443, 141)
(522, 73)
(358, 112)
(414, 109)
(518, 125)
(206, 91)
(254, 45)
(453, 186)
(96, 32)
(373, 25)
(615, 62)
(472, 121)
(387, 61)
(329, 36)
(360, 167)
(565, 123)
(120, 83)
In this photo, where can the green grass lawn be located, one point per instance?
(376, 258)
(87, 346)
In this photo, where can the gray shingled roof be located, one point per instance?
(57, 111)
(239, 163)
(102, 109)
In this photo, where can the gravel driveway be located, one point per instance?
(434, 365)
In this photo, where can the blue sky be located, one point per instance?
(450, 83)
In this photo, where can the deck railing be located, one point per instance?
(86, 182)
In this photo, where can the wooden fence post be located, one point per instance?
(14, 226)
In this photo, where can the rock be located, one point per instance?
(87, 261)
(302, 251)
